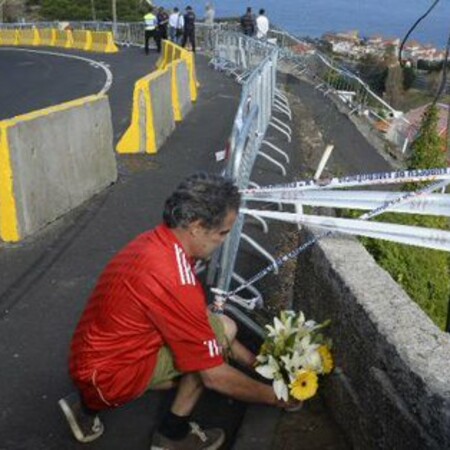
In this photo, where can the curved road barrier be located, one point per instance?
(95, 41)
(63, 39)
(172, 52)
(28, 37)
(103, 42)
(47, 37)
(8, 37)
(82, 40)
(51, 161)
(152, 118)
(159, 100)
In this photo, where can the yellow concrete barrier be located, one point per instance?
(63, 38)
(103, 42)
(9, 226)
(172, 52)
(52, 160)
(8, 37)
(140, 135)
(47, 37)
(28, 37)
(82, 39)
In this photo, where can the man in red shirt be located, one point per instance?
(147, 325)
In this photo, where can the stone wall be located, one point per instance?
(391, 386)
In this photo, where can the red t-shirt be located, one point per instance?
(148, 296)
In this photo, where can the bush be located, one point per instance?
(423, 273)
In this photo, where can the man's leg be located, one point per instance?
(192, 39)
(157, 38)
(147, 38)
(176, 430)
(237, 351)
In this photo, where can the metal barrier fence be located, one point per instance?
(253, 63)
(346, 87)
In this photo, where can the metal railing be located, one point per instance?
(253, 63)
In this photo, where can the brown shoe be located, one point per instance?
(197, 439)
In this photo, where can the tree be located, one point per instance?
(373, 71)
(393, 93)
(127, 10)
(426, 150)
(409, 76)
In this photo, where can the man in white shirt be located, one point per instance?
(209, 14)
(176, 26)
(262, 25)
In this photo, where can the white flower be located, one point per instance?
(282, 328)
(292, 363)
(311, 360)
(270, 369)
(281, 389)
(262, 358)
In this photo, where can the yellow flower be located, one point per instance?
(305, 385)
(327, 358)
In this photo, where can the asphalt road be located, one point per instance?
(46, 279)
(32, 79)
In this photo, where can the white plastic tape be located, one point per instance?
(404, 234)
(369, 179)
(431, 204)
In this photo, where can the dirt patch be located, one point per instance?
(310, 428)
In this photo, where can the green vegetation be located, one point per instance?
(423, 273)
(127, 10)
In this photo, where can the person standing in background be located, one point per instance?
(189, 28)
(151, 30)
(163, 22)
(248, 22)
(262, 25)
(209, 15)
(176, 26)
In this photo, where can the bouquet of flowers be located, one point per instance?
(293, 355)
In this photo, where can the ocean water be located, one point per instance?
(390, 18)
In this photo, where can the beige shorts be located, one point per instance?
(165, 369)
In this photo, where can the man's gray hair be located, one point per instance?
(202, 196)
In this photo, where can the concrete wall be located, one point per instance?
(161, 100)
(60, 157)
(184, 94)
(391, 386)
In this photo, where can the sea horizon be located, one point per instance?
(312, 19)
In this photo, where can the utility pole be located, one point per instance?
(114, 15)
(93, 12)
(2, 2)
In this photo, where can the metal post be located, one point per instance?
(114, 17)
(93, 12)
(2, 2)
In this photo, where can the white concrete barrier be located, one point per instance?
(51, 161)
(184, 101)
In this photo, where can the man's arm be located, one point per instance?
(230, 381)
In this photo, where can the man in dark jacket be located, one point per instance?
(248, 22)
(189, 28)
(163, 22)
